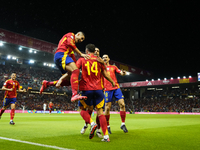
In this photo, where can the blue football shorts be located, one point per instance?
(94, 97)
(8, 101)
(61, 59)
(117, 93)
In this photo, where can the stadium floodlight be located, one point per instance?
(152, 80)
(9, 57)
(35, 52)
(172, 78)
(31, 61)
(1, 43)
(184, 77)
(49, 65)
(52, 65)
(45, 64)
(14, 58)
(146, 80)
(30, 51)
(165, 78)
(20, 48)
(178, 77)
(190, 76)
(158, 79)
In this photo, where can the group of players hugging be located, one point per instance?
(98, 84)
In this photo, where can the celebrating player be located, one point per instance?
(90, 85)
(113, 91)
(66, 64)
(50, 107)
(10, 87)
(90, 109)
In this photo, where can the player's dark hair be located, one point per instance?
(90, 48)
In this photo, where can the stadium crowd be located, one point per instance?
(168, 100)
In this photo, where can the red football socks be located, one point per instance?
(98, 122)
(1, 112)
(12, 114)
(103, 124)
(74, 81)
(86, 116)
(123, 115)
(107, 119)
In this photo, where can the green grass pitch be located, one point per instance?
(146, 132)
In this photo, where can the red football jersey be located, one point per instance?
(11, 84)
(50, 105)
(67, 43)
(91, 78)
(111, 70)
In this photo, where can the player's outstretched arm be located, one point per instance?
(19, 90)
(106, 75)
(6, 89)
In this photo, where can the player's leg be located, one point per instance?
(98, 132)
(6, 102)
(12, 112)
(102, 118)
(108, 102)
(89, 110)
(120, 98)
(46, 84)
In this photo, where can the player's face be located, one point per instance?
(79, 38)
(106, 58)
(96, 53)
(13, 76)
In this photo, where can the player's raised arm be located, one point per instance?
(106, 75)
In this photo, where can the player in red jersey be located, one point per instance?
(10, 87)
(50, 107)
(90, 109)
(66, 64)
(90, 86)
(114, 91)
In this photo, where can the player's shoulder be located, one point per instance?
(9, 80)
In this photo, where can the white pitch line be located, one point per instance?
(37, 144)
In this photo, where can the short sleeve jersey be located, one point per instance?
(67, 43)
(111, 70)
(91, 78)
(11, 84)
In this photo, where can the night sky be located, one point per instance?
(158, 36)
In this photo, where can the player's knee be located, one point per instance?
(107, 108)
(121, 105)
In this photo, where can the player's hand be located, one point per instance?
(11, 89)
(58, 84)
(85, 56)
(24, 90)
(113, 84)
(99, 59)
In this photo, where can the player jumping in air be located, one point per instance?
(66, 64)
(90, 86)
(113, 91)
(10, 87)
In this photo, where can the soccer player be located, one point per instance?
(90, 86)
(90, 109)
(114, 91)
(66, 64)
(50, 107)
(10, 87)
(44, 107)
